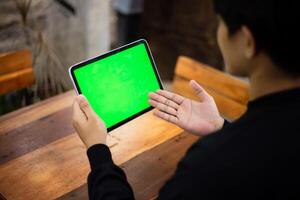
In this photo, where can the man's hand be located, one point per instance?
(200, 118)
(90, 128)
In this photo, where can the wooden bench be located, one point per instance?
(231, 94)
(15, 71)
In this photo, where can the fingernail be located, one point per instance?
(80, 98)
(77, 98)
(192, 82)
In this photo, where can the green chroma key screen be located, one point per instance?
(117, 83)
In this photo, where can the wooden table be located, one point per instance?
(42, 158)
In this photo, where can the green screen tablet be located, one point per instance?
(117, 83)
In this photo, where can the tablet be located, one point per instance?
(117, 83)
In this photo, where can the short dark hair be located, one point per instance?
(273, 24)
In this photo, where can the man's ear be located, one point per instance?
(248, 42)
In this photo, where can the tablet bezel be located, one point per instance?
(112, 52)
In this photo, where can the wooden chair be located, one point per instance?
(231, 94)
(15, 71)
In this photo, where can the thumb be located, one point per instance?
(85, 106)
(199, 91)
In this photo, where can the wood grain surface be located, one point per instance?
(148, 172)
(40, 154)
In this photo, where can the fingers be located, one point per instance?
(85, 106)
(166, 116)
(78, 115)
(163, 107)
(200, 91)
(163, 100)
(171, 96)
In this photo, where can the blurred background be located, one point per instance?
(40, 39)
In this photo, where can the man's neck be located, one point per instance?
(266, 78)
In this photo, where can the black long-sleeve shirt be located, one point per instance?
(255, 157)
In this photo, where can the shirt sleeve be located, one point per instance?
(226, 123)
(106, 181)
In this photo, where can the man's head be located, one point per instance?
(253, 29)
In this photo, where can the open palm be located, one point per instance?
(197, 117)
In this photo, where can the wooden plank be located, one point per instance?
(36, 134)
(14, 61)
(141, 134)
(148, 171)
(16, 80)
(213, 79)
(34, 112)
(228, 108)
(37, 173)
(62, 166)
(80, 193)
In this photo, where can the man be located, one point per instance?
(255, 157)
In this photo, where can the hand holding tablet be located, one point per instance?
(117, 83)
(89, 127)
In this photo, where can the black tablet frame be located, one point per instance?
(112, 52)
